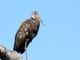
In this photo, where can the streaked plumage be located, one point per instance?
(27, 31)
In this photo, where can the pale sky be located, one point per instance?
(58, 38)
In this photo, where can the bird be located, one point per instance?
(26, 32)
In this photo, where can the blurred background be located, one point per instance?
(58, 38)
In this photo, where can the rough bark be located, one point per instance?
(6, 54)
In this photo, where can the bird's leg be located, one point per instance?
(26, 55)
(26, 44)
(26, 48)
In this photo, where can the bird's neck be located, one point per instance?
(35, 19)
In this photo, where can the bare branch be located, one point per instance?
(6, 54)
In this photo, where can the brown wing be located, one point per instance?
(21, 37)
(25, 34)
(19, 45)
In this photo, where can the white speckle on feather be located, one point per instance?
(26, 33)
(20, 36)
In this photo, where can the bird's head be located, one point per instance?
(35, 15)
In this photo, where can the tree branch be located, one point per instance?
(6, 54)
